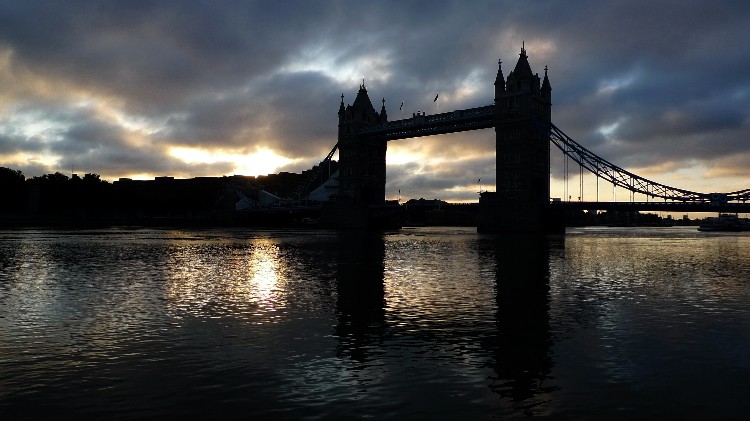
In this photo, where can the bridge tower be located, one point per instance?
(521, 202)
(361, 162)
(362, 168)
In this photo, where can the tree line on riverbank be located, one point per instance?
(52, 193)
(58, 199)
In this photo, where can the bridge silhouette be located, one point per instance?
(521, 117)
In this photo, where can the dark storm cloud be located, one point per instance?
(239, 75)
(102, 148)
(15, 143)
(299, 109)
(675, 75)
(156, 54)
(88, 143)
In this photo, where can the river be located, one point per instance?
(422, 323)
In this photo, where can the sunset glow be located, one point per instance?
(116, 92)
(262, 162)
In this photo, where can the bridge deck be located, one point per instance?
(656, 206)
(427, 125)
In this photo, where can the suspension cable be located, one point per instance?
(620, 177)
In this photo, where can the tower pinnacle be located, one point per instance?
(499, 80)
(546, 87)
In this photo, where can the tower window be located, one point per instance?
(511, 182)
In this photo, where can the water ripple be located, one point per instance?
(418, 324)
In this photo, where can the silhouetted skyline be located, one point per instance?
(185, 89)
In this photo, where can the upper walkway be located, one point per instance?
(421, 124)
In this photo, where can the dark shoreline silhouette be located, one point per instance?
(56, 200)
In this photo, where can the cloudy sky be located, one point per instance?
(209, 88)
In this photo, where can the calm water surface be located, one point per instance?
(428, 323)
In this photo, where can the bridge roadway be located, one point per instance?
(426, 125)
(656, 206)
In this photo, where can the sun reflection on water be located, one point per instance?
(246, 281)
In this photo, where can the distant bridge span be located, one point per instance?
(654, 206)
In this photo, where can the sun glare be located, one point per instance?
(399, 155)
(21, 158)
(261, 162)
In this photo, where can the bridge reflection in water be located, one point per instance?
(401, 305)
(417, 324)
(522, 357)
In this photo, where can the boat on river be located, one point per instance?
(725, 222)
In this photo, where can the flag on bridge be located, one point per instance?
(402, 106)
(436, 97)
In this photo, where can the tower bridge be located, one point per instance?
(521, 117)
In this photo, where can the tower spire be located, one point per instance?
(546, 87)
(499, 81)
